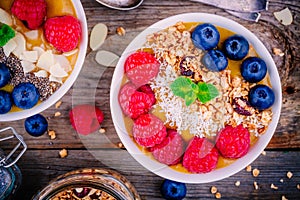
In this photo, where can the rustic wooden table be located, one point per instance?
(41, 162)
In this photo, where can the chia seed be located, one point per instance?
(45, 87)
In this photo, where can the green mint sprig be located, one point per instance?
(190, 91)
(6, 33)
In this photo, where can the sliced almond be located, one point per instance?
(5, 17)
(9, 47)
(55, 79)
(32, 35)
(106, 58)
(27, 66)
(98, 36)
(70, 53)
(46, 60)
(284, 16)
(63, 62)
(41, 73)
(30, 56)
(21, 44)
(57, 71)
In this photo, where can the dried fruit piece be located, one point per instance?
(98, 36)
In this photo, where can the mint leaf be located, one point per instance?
(6, 33)
(206, 92)
(184, 88)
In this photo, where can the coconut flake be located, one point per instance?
(42, 73)
(57, 71)
(27, 66)
(9, 47)
(46, 60)
(5, 17)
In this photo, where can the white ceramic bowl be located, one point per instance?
(161, 169)
(12, 116)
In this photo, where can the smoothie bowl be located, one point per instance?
(195, 98)
(42, 50)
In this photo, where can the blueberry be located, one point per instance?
(215, 60)
(205, 36)
(236, 47)
(5, 102)
(172, 190)
(253, 69)
(25, 95)
(261, 97)
(4, 75)
(36, 125)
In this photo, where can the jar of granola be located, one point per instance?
(10, 174)
(86, 184)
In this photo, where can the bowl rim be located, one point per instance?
(161, 169)
(18, 115)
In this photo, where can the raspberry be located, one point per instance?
(85, 118)
(233, 142)
(200, 156)
(31, 12)
(135, 103)
(141, 67)
(170, 150)
(148, 130)
(63, 32)
(147, 89)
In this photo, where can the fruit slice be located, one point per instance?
(170, 150)
(141, 67)
(200, 156)
(148, 130)
(233, 142)
(125, 95)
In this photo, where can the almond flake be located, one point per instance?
(5, 17)
(284, 16)
(98, 36)
(57, 71)
(106, 58)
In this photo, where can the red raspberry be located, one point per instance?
(148, 130)
(170, 150)
(141, 67)
(200, 156)
(31, 12)
(63, 32)
(147, 89)
(233, 142)
(85, 118)
(133, 102)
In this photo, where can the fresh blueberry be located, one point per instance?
(4, 75)
(25, 95)
(215, 60)
(36, 125)
(5, 102)
(236, 47)
(172, 190)
(261, 97)
(205, 36)
(253, 69)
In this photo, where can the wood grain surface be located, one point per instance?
(41, 162)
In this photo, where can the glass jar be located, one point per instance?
(92, 183)
(10, 174)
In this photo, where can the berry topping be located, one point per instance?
(253, 69)
(200, 156)
(148, 130)
(5, 102)
(4, 75)
(215, 60)
(86, 118)
(6, 33)
(186, 66)
(141, 67)
(261, 97)
(25, 95)
(31, 12)
(205, 36)
(136, 102)
(242, 106)
(170, 150)
(236, 47)
(36, 125)
(172, 190)
(63, 32)
(233, 142)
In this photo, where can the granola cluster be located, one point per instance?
(178, 56)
